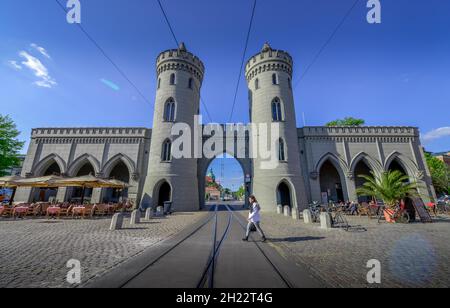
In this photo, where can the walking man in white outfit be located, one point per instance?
(254, 219)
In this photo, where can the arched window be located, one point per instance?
(275, 79)
(166, 155)
(191, 83)
(290, 83)
(281, 150)
(159, 83)
(169, 110)
(277, 112)
(172, 79)
(257, 84)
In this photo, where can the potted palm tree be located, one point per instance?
(391, 187)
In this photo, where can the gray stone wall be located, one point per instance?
(102, 148)
(377, 147)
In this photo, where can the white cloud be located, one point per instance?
(41, 50)
(39, 70)
(436, 134)
(14, 65)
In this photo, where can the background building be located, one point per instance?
(444, 156)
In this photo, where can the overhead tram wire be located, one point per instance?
(243, 60)
(168, 23)
(325, 45)
(177, 44)
(103, 52)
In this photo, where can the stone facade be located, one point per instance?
(316, 163)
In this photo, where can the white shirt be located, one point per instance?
(254, 216)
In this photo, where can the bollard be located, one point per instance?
(160, 211)
(295, 214)
(279, 209)
(135, 217)
(307, 217)
(149, 214)
(287, 211)
(116, 222)
(325, 221)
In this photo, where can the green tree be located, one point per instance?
(9, 144)
(391, 187)
(440, 174)
(349, 121)
(241, 192)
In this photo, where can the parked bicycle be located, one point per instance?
(396, 214)
(315, 209)
(338, 219)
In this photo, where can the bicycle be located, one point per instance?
(315, 210)
(443, 207)
(398, 215)
(338, 219)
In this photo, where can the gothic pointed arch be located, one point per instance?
(81, 161)
(285, 193)
(43, 164)
(370, 162)
(112, 162)
(339, 163)
(408, 165)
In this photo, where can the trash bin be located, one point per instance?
(168, 207)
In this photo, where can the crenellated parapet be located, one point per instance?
(269, 60)
(119, 135)
(180, 59)
(399, 134)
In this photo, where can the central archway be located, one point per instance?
(224, 179)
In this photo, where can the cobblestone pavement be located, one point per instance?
(411, 255)
(34, 252)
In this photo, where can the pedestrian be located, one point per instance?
(254, 219)
(354, 208)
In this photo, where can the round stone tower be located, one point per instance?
(179, 80)
(269, 78)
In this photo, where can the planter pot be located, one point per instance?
(388, 214)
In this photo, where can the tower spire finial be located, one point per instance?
(266, 47)
(182, 47)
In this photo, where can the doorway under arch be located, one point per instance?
(119, 172)
(47, 194)
(362, 168)
(331, 183)
(284, 195)
(164, 193)
(77, 192)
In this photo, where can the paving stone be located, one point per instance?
(34, 252)
(411, 255)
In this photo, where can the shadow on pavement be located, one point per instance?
(296, 239)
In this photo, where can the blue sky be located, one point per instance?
(395, 73)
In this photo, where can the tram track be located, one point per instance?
(207, 275)
(266, 257)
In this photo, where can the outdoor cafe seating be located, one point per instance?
(81, 209)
